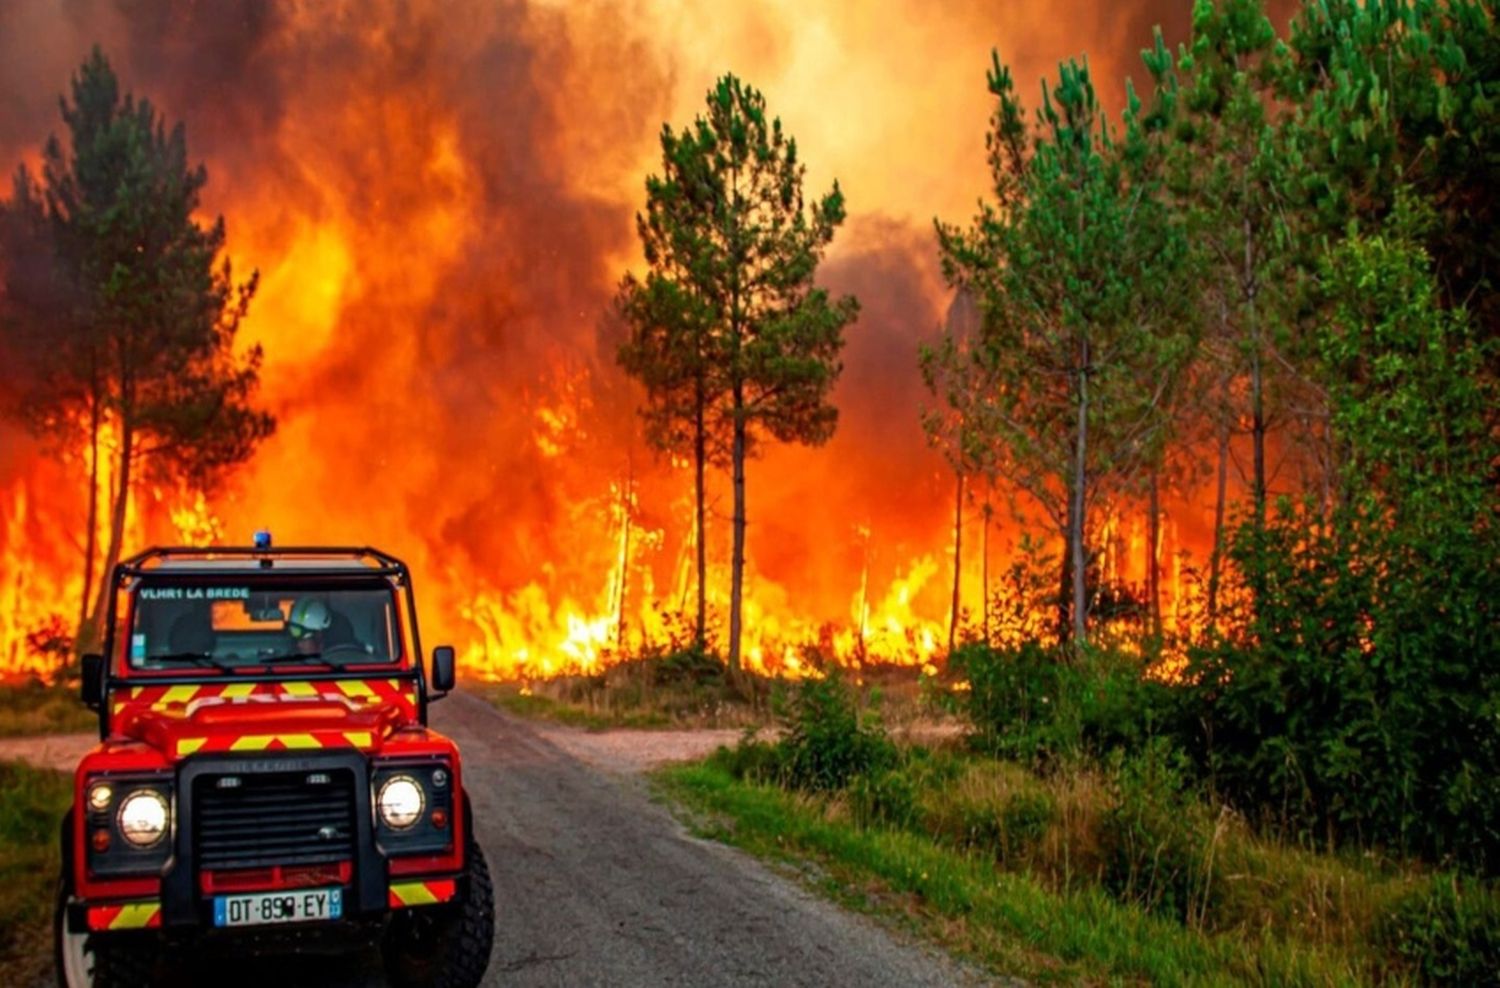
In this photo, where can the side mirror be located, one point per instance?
(92, 688)
(444, 669)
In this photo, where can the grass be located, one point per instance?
(37, 708)
(592, 716)
(683, 691)
(1020, 874)
(32, 802)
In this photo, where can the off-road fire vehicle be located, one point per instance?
(266, 780)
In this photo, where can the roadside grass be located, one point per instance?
(34, 707)
(32, 802)
(1030, 876)
(590, 714)
(685, 691)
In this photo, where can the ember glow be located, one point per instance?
(440, 200)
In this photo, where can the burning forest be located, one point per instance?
(439, 203)
(439, 207)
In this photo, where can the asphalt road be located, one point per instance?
(595, 884)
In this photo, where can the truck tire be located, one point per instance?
(86, 960)
(445, 946)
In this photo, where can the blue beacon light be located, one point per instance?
(263, 539)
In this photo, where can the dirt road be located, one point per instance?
(598, 885)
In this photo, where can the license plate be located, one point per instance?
(278, 907)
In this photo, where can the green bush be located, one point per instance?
(1448, 933)
(828, 743)
(689, 664)
(1034, 703)
(884, 798)
(1014, 698)
(1156, 837)
(1363, 698)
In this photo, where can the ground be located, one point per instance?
(598, 884)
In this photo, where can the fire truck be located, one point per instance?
(266, 780)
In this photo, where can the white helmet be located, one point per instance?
(309, 616)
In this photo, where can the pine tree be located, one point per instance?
(147, 339)
(1074, 262)
(1233, 176)
(731, 307)
(672, 333)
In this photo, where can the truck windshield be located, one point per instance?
(228, 625)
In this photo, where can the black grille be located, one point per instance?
(284, 818)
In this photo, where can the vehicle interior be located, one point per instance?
(228, 626)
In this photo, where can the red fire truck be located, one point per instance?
(266, 779)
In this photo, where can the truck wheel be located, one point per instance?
(85, 960)
(70, 951)
(445, 946)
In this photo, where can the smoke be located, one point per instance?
(439, 200)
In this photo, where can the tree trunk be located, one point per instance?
(1065, 589)
(958, 559)
(1257, 385)
(737, 562)
(1153, 543)
(623, 584)
(118, 510)
(700, 456)
(1080, 476)
(86, 638)
(984, 567)
(1216, 558)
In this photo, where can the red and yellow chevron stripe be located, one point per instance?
(125, 916)
(215, 744)
(404, 895)
(183, 700)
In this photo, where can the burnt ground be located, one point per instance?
(596, 884)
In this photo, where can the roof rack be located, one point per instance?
(375, 561)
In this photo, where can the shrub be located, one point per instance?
(1158, 837)
(1448, 932)
(690, 664)
(1013, 698)
(828, 743)
(888, 797)
(1034, 704)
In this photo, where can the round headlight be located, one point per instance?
(400, 802)
(143, 817)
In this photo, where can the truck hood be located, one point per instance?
(252, 717)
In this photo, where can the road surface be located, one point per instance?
(598, 885)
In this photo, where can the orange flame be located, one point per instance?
(440, 208)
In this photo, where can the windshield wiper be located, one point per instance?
(197, 658)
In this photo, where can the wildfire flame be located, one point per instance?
(440, 205)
